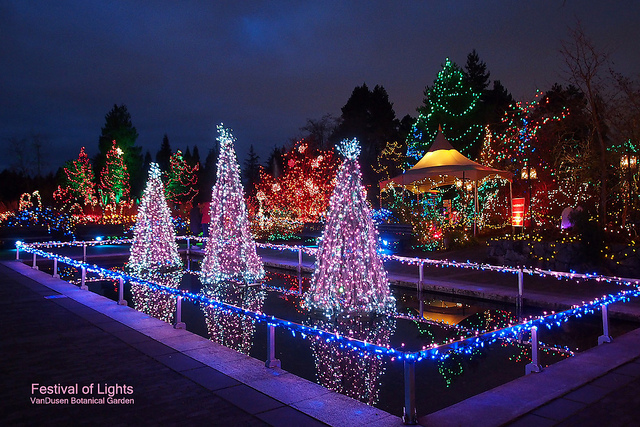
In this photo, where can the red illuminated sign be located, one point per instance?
(517, 209)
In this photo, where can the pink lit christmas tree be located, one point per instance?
(154, 239)
(349, 273)
(230, 253)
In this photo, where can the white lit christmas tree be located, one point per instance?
(154, 239)
(349, 273)
(230, 253)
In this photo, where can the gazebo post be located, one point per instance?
(475, 207)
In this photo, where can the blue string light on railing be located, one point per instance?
(436, 352)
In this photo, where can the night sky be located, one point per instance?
(182, 67)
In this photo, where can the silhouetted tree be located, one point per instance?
(251, 171)
(368, 116)
(164, 154)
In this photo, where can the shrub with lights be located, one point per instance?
(154, 240)
(230, 252)
(349, 274)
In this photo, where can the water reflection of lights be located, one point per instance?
(345, 371)
(231, 329)
(157, 304)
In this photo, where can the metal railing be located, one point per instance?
(409, 358)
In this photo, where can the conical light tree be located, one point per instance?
(349, 273)
(231, 250)
(154, 239)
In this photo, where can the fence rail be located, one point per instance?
(409, 358)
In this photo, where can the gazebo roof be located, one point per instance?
(442, 165)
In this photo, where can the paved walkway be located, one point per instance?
(58, 334)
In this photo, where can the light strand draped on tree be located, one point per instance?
(452, 104)
(80, 185)
(182, 180)
(230, 253)
(154, 239)
(349, 273)
(114, 178)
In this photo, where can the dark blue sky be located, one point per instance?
(182, 67)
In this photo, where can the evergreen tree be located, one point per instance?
(251, 172)
(164, 154)
(146, 164)
(79, 184)
(368, 116)
(300, 194)
(231, 250)
(498, 102)
(349, 273)
(451, 103)
(195, 156)
(118, 127)
(207, 176)
(476, 73)
(182, 180)
(114, 179)
(154, 244)
(275, 162)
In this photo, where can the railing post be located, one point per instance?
(188, 246)
(179, 324)
(534, 366)
(121, 300)
(410, 413)
(420, 275)
(34, 266)
(84, 251)
(605, 337)
(520, 288)
(55, 269)
(299, 260)
(271, 362)
(83, 279)
(17, 253)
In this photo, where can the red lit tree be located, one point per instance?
(181, 180)
(302, 192)
(79, 182)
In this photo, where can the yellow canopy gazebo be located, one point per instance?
(444, 165)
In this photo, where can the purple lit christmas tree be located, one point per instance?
(230, 253)
(349, 273)
(154, 239)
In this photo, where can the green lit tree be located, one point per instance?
(118, 127)
(453, 104)
(114, 179)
